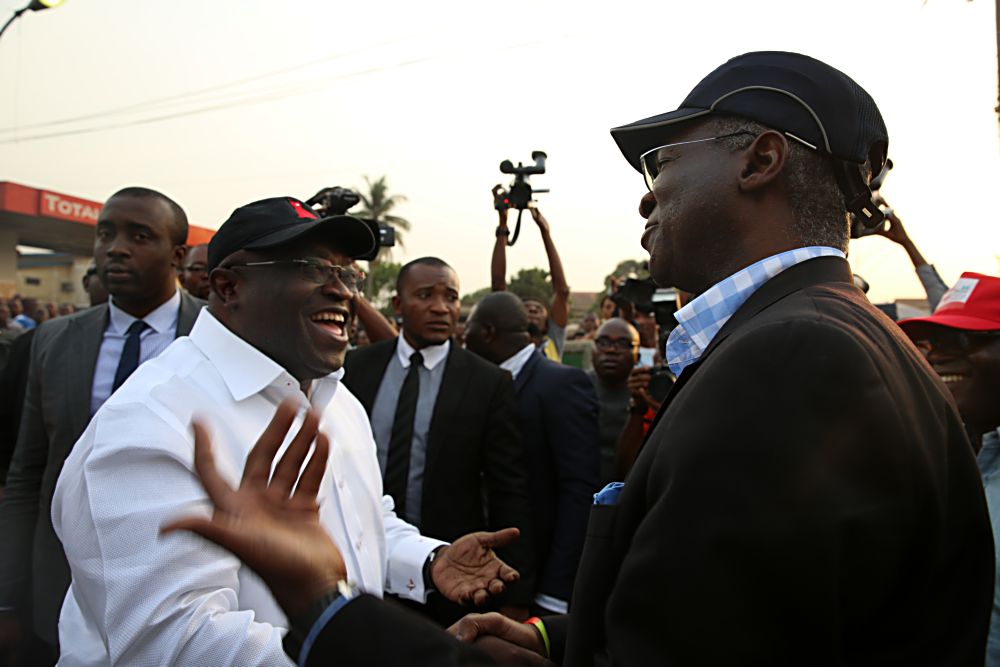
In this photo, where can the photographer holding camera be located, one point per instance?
(549, 319)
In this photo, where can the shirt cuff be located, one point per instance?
(405, 573)
(549, 603)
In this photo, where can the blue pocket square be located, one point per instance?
(609, 494)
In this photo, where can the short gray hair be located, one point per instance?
(816, 200)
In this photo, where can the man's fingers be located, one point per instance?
(287, 471)
(312, 476)
(496, 587)
(480, 597)
(204, 464)
(500, 538)
(207, 528)
(508, 574)
(258, 466)
(471, 626)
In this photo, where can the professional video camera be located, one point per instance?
(519, 193)
(336, 201)
(858, 227)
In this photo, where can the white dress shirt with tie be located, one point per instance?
(139, 598)
(161, 333)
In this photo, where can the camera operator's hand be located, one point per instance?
(539, 219)
(499, 194)
(638, 386)
(894, 231)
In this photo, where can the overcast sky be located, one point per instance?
(221, 103)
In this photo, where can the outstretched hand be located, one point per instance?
(468, 571)
(271, 522)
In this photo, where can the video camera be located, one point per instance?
(859, 227)
(336, 201)
(519, 193)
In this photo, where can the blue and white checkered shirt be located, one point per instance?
(699, 321)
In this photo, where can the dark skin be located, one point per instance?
(611, 363)
(497, 328)
(282, 314)
(136, 253)
(272, 522)
(714, 211)
(428, 302)
(194, 274)
(972, 375)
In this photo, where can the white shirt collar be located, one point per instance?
(161, 319)
(516, 363)
(433, 354)
(245, 369)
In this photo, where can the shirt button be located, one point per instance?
(357, 545)
(340, 484)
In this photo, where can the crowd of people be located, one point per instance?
(232, 457)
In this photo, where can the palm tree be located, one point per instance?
(376, 205)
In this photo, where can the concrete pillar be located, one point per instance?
(8, 262)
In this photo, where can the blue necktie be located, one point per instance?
(129, 360)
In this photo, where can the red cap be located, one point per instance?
(972, 304)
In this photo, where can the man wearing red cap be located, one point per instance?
(962, 342)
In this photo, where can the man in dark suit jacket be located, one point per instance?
(808, 494)
(557, 415)
(139, 243)
(462, 427)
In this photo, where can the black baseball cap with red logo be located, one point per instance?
(273, 222)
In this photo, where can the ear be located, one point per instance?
(178, 255)
(224, 284)
(765, 159)
(397, 305)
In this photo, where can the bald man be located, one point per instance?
(557, 412)
(616, 351)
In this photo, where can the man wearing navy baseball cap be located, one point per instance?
(262, 363)
(807, 494)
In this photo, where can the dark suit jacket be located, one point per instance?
(473, 442)
(808, 495)
(557, 410)
(33, 568)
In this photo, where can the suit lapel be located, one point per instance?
(448, 403)
(368, 369)
(529, 369)
(187, 314)
(84, 336)
(793, 279)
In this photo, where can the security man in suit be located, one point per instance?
(557, 415)
(444, 422)
(76, 363)
(808, 494)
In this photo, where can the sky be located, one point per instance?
(222, 103)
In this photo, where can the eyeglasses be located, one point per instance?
(651, 165)
(607, 344)
(196, 268)
(956, 342)
(313, 270)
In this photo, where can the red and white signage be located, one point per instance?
(65, 207)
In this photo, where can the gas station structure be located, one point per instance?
(57, 222)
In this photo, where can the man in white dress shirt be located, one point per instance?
(275, 329)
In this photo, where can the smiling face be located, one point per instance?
(969, 364)
(300, 324)
(135, 252)
(429, 304)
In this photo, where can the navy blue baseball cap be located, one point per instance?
(798, 95)
(273, 222)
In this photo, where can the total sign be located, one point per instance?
(69, 208)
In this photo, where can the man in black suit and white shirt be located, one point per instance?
(445, 425)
